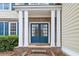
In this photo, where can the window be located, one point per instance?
(9, 28)
(3, 28)
(1, 6)
(5, 6)
(13, 29)
(12, 6)
(6, 28)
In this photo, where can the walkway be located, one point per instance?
(38, 51)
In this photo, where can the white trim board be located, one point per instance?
(69, 51)
(53, 28)
(38, 7)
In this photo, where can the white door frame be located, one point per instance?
(48, 31)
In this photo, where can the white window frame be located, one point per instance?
(10, 28)
(10, 7)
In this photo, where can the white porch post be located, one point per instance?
(26, 28)
(53, 28)
(20, 29)
(58, 28)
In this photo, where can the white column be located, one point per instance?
(53, 28)
(58, 28)
(25, 28)
(20, 29)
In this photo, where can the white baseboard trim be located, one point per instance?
(69, 52)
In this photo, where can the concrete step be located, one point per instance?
(38, 50)
(38, 55)
(26, 51)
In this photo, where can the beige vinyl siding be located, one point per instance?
(8, 14)
(70, 26)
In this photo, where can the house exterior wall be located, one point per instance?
(15, 14)
(7, 17)
(38, 14)
(70, 27)
(8, 14)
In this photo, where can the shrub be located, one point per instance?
(8, 42)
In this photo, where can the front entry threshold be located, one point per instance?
(39, 46)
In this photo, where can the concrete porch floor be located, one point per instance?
(38, 51)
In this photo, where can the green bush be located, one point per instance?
(8, 42)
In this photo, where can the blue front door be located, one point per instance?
(39, 33)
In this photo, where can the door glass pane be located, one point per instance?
(35, 30)
(43, 29)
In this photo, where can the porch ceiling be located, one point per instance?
(39, 13)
